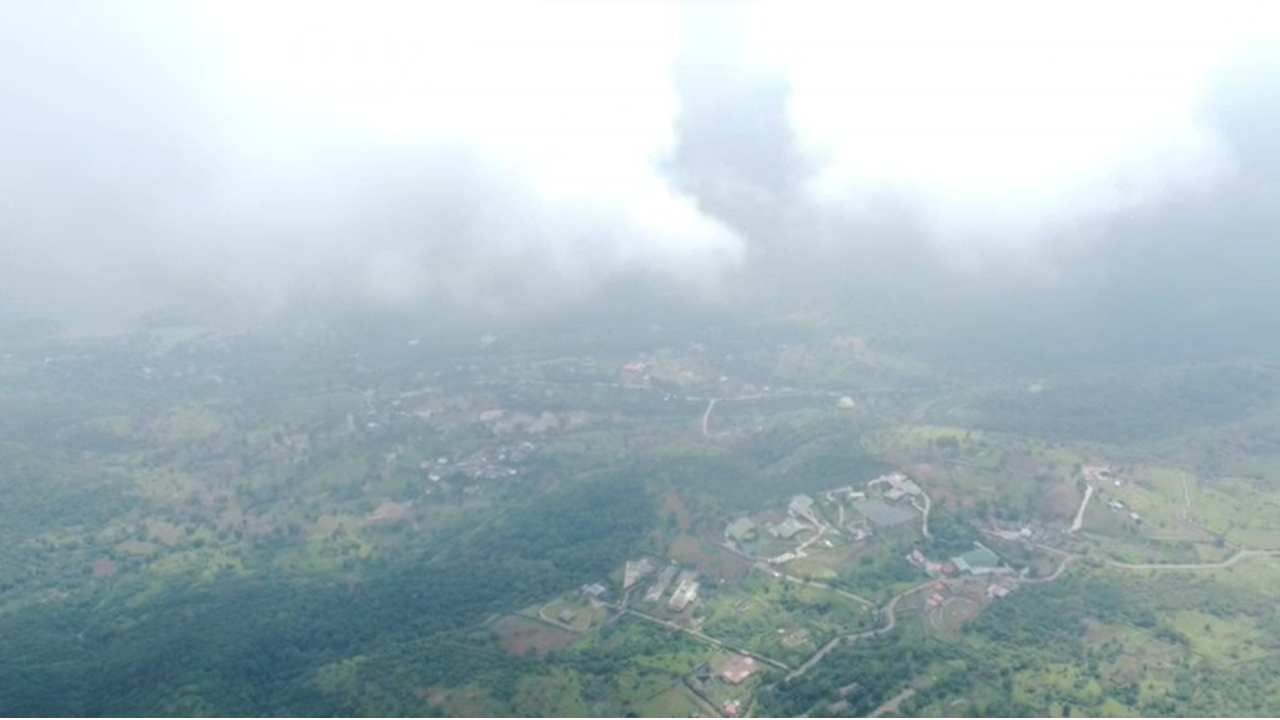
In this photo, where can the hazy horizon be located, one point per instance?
(249, 159)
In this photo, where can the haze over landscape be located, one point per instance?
(696, 351)
(403, 153)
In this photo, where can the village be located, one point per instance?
(892, 508)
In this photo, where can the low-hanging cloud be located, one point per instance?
(1003, 123)
(508, 155)
(482, 153)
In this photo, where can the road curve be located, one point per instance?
(924, 513)
(890, 608)
(1240, 555)
(891, 621)
(892, 704)
(1062, 567)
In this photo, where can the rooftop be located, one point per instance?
(977, 560)
(739, 668)
(787, 529)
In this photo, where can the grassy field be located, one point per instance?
(675, 702)
(522, 636)
(1245, 514)
(554, 694)
(1219, 639)
(581, 615)
(781, 619)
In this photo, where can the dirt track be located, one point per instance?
(706, 417)
(1240, 555)
(891, 617)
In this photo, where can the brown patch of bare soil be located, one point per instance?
(673, 504)
(708, 557)
(520, 636)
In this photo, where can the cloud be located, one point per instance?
(1003, 123)
(507, 155)
(485, 153)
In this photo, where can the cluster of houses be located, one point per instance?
(803, 516)
(660, 585)
(635, 374)
(648, 372)
(1100, 474)
(634, 570)
(998, 589)
(595, 592)
(686, 591)
(900, 486)
(491, 464)
(856, 524)
(844, 494)
(936, 595)
(1120, 507)
(979, 561)
(686, 585)
(1096, 475)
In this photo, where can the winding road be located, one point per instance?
(924, 513)
(542, 615)
(1240, 555)
(892, 704)
(890, 608)
(706, 416)
(890, 612)
(703, 637)
(1062, 567)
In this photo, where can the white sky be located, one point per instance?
(1005, 119)
(273, 136)
(1001, 119)
(571, 101)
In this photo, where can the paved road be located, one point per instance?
(814, 583)
(1240, 555)
(924, 513)
(891, 621)
(1075, 524)
(563, 626)
(1068, 556)
(705, 638)
(1062, 567)
(890, 608)
(706, 416)
(891, 705)
(763, 566)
